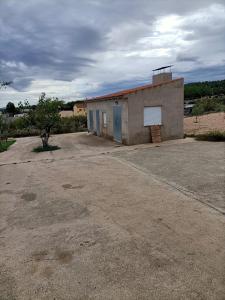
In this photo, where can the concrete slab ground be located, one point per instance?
(84, 222)
(195, 168)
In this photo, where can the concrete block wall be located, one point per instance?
(171, 98)
(107, 106)
(163, 77)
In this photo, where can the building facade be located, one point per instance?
(66, 113)
(129, 116)
(80, 109)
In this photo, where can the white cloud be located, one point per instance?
(117, 42)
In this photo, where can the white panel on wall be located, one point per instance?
(104, 119)
(152, 116)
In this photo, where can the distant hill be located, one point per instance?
(203, 89)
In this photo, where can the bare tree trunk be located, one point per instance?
(44, 138)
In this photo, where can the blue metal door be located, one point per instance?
(117, 123)
(90, 120)
(97, 123)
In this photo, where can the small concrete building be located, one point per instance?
(136, 115)
(80, 108)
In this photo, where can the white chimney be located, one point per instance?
(162, 75)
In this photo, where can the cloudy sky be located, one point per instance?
(75, 49)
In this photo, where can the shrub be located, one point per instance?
(23, 132)
(4, 145)
(213, 136)
(46, 148)
(208, 105)
(21, 127)
(71, 124)
(18, 123)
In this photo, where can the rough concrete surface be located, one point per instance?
(84, 223)
(196, 168)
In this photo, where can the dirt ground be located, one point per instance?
(210, 122)
(90, 222)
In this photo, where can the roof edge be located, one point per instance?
(122, 93)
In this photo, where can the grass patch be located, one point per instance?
(213, 136)
(48, 148)
(5, 145)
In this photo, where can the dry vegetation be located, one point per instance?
(205, 123)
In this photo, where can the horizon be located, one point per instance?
(85, 99)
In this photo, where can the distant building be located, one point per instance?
(80, 108)
(149, 113)
(188, 109)
(20, 115)
(66, 113)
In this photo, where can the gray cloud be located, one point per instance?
(186, 57)
(106, 43)
(36, 45)
(205, 74)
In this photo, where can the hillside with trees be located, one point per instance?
(206, 97)
(198, 90)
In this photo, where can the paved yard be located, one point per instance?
(195, 168)
(89, 221)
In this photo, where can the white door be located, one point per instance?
(152, 115)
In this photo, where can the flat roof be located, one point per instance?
(122, 93)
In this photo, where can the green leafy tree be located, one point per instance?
(11, 109)
(197, 111)
(68, 105)
(3, 128)
(209, 105)
(46, 116)
(1, 124)
(23, 106)
(197, 90)
(4, 84)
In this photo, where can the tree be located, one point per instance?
(5, 83)
(1, 125)
(197, 111)
(46, 116)
(68, 105)
(23, 106)
(3, 128)
(10, 109)
(201, 89)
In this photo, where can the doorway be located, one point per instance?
(117, 123)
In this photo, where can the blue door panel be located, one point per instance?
(117, 123)
(97, 123)
(90, 119)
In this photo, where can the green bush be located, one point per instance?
(203, 89)
(23, 132)
(214, 136)
(4, 145)
(21, 127)
(47, 148)
(71, 124)
(18, 123)
(208, 105)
